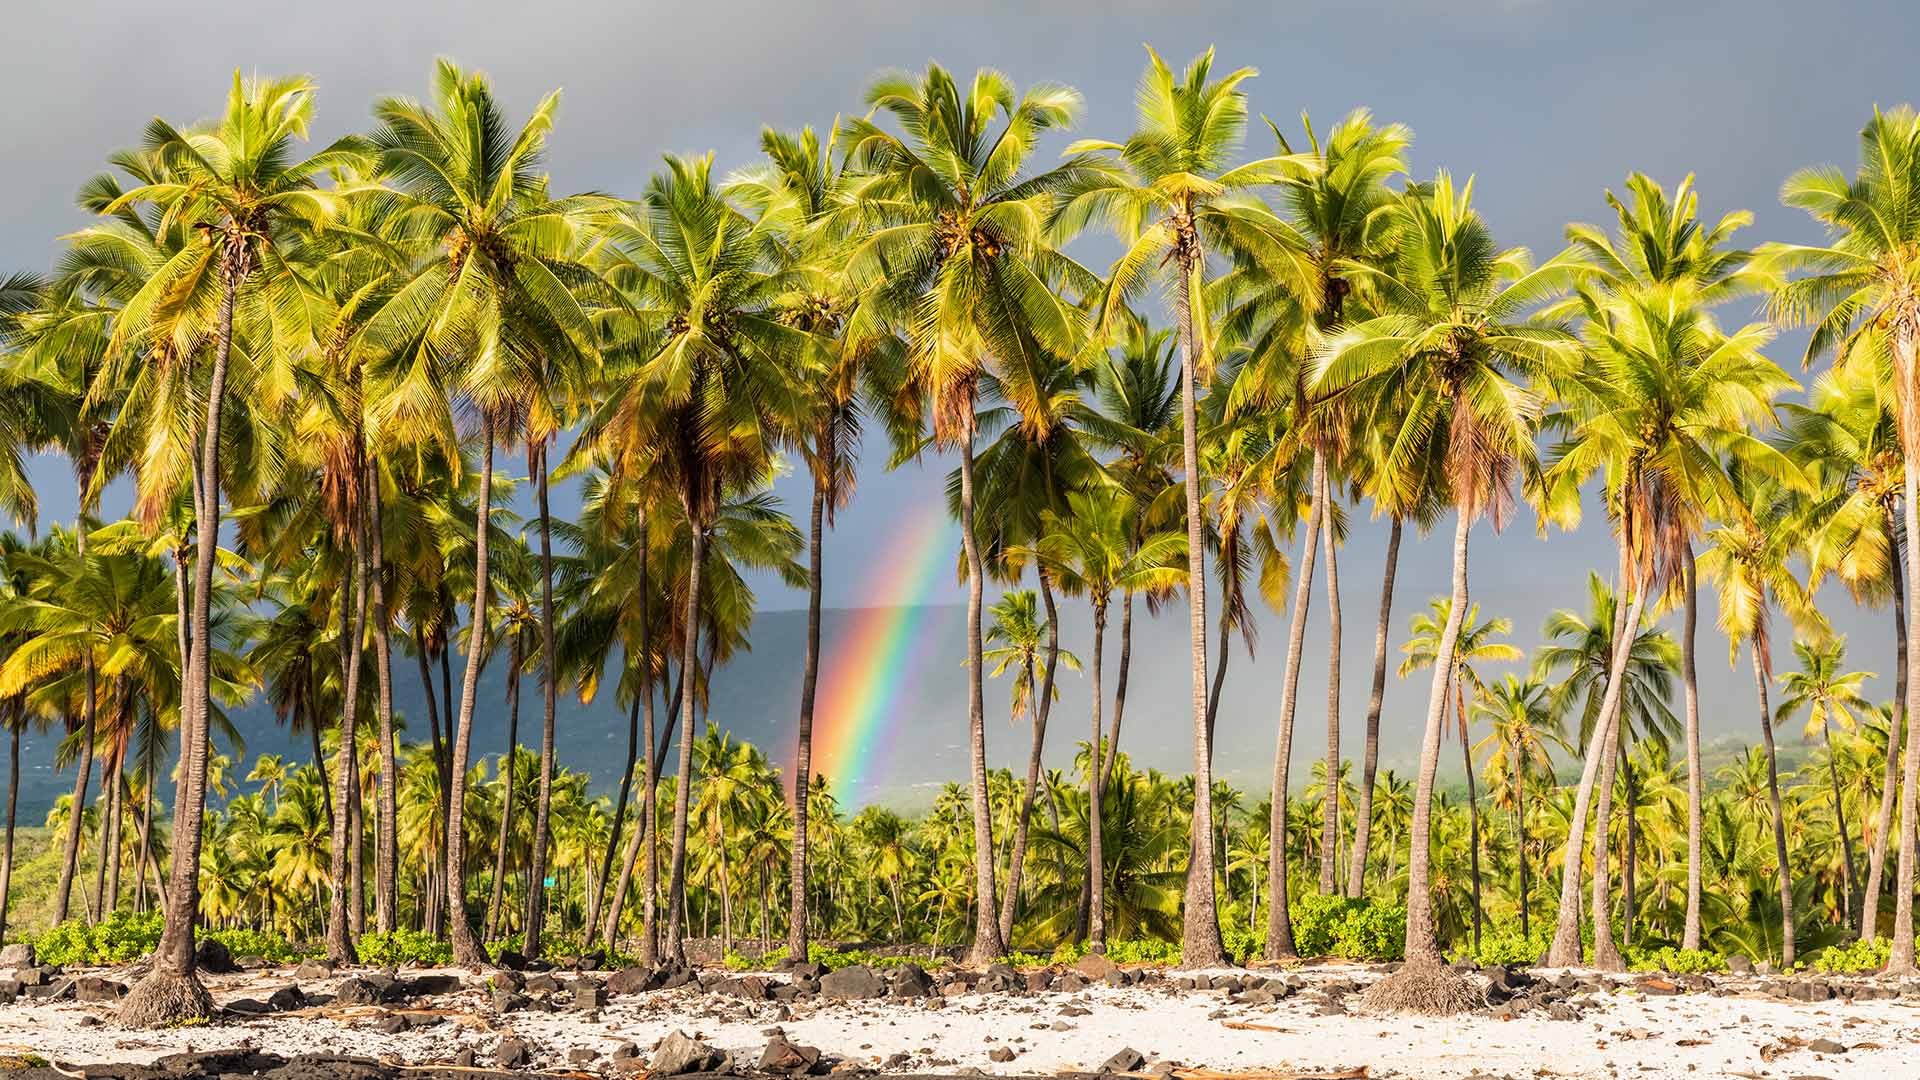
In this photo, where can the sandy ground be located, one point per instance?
(1621, 1034)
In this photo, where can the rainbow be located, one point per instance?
(877, 660)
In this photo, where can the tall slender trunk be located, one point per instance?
(1773, 799)
(76, 812)
(1279, 924)
(1520, 832)
(809, 684)
(353, 627)
(1606, 952)
(386, 813)
(1473, 804)
(1120, 681)
(1628, 862)
(689, 672)
(1330, 800)
(1566, 951)
(987, 944)
(1906, 345)
(467, 951)
(1890, 782)
(1840, 822)
(1096, 864)
(514, 661)
(643, 834)
(543, 809)
(1370, 763)
(1696, 781)
(1422, 946)
(433, 905)
(596, 892)
(1042, 706)
(173, 959)
(109, 808)
(14, 723)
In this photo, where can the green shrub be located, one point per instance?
(1352, 929)
(119, 938)
(1241, 942)
(245, 942)
(1677, 960)
(1854, 957)
(835, 959)
(405, 947)
(1507, 945)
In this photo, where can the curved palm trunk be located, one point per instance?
(171, 991)
(1200, 943)
(1773, 800)
(1120, 681)
(1279, 925)
(340, 948)
(1606, 953)
(13, 806)
(1690, 683)
(466, 947)
(1520, 833)
(1370, 763)
(596, 890)
(1330, 799)
(987, 943)
(1422, 946)
(1009, 904)
(1096, 864)
(109, 814)
(689, 671)
(506, 802)
(386, 811)
(803, 738)
(1565, 951)
(63, 892)
(543, 809)
(1890, 782)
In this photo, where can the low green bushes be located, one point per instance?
(1352, 929)
(404, 947)
(1854, 957)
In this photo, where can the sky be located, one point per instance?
(1547, 103)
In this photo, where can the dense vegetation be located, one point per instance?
(328, 363)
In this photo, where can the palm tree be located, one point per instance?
(488, 292)
(1525, 727)
(1165, 191)
(1473, 643)
(1859, 297)
(1446, 334)
(1830, 696)
(954, 245)
(718, 385)
(239, 179)
(1090, 549)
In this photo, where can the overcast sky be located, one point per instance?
(1547, 102)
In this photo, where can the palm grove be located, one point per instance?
(323, 371)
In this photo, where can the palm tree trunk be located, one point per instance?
(171, 991)
(506, 773)
(1120, 680)
(1606, 953)
(689, 668)
(1696, 783)
(987, 944)
(1628, 862)
(1330, 802)
(1042, 705)
(1840, 822)
(1096, 865)
(353, 626)
(809, 684)
(386, 814)
(109, 809)
(1279, 925)
(597, 891)
(76, 812)
(1200, 943)
(467, 951)
(1566, 951)
(1890, 783)
(1370, 763)
(14, 723)
(1473, 806)
(643, 834)
(1520, 832)
(1906, 345)
(543, 809)
(1773, 800)
(1422, 945)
